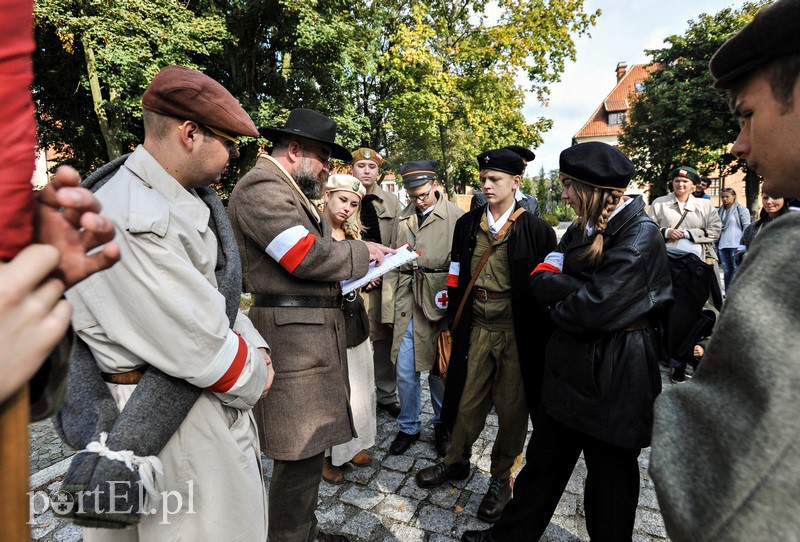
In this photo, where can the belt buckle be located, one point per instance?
(485, 293)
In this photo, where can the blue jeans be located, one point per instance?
(409, 388)
(728, 265)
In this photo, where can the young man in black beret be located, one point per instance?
(499, 326)
(737, 420)
(526, 201)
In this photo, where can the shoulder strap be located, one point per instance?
(683, 217)
(498, 236)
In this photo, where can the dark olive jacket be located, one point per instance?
(530, 240)
(601, 364)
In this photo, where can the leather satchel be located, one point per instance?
(444, 340)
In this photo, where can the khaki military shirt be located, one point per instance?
(494, 277)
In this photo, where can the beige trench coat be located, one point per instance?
(388, 207)
(702, 222)
(287, 249)
(160, 306)
(433, 240)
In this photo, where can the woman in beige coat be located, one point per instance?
(687, 223)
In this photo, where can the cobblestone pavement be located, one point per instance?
(382, 503)
(46, 447)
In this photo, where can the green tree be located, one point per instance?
(97, 57)
(454, 77)
(541, 190)
(680, 118)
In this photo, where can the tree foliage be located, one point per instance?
(679, 118)
(440, 80)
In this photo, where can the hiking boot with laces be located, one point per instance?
(495, 500)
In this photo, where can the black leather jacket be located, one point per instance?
(601, 363)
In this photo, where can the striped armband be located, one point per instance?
(452, 274)
(547, 268)
(227, 366)
(290, 247)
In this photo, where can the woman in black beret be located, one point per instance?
(605, 285)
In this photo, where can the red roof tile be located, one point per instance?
(617, 101)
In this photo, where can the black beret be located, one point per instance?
(524, 152)
(418, 173)
(188, 94)
(685, 171)
(772, 33)
(503, 160)
(597, 164)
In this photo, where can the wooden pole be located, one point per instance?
(14, 417)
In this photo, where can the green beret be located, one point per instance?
(685, 171)
(771, 34)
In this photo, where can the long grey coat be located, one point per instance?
(433, 240)
(286, 249)
(726, 446)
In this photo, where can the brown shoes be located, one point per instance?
(495, 500)
(438, 474)
(361, 459)
(334, 475)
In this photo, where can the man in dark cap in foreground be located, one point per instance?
(179, 360)
(499, 325)
(526, 201)
(726, 453)
(415, 299)
(292, 267)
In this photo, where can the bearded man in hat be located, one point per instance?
(180, 367)
(737, 419)
(292, 267)
(526, 201)
(379, 208)
(415, 299)
(499, 337)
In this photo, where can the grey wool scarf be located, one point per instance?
(156, 409)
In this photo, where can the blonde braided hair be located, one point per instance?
(596, 205)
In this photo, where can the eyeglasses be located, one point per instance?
(231, 143)
(421, 197)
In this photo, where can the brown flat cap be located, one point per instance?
(772, 33)
(188, 94)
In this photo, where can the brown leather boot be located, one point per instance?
(361, 459)
(334, 475)
(495, 500)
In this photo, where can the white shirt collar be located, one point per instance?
(518, 195)
(590, 229)
(496, 226)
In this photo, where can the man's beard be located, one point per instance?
(309, 183)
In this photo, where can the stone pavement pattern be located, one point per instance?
(382, 503)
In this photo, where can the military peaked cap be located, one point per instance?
(524, 152)
(418, 173)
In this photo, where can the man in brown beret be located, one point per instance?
(726, 453)
(292, 267)
(170, 307)
(379, 208)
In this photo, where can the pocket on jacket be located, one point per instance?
(301, 340)
(572, 361)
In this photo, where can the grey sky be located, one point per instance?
(623, 32)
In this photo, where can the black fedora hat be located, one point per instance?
(312, 125)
